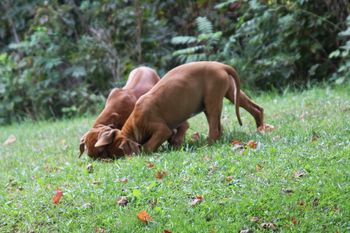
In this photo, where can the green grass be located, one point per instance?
(45, 157)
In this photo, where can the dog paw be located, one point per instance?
(266, 128)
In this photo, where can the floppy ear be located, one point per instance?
(106, 138)
(130, 147)
(82, 145)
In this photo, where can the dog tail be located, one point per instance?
(232, 72)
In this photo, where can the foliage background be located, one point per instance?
(59, 58)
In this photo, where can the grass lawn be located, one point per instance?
(296, 180)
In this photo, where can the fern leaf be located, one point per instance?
(204, 25)
(183, 40)
(190, 50)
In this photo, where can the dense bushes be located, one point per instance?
(60, 58)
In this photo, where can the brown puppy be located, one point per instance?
(119, 106)
(182, 93)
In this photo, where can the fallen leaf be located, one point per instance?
(166, 231)
(11, 139)
(213, 167)
(229, 178)
(195, 137)
(252, 144)
(123, 180)
(107, 160)
(269, 225)
(255, 219)
(144, 217)
(314, 136)
(266, 128)
(207, 158)
(294, 221)
(96, 182)
(160, 174)
(90, 168)
(288, 190)
(99, 229)
(246, 231)
(57, 197)
(301, 202)
(87, 206)
(298, 174)
(198, 199)
(153, 202)
(149, 165)
(315, 202)
(235, 142)
(258, 167)
(122, 201)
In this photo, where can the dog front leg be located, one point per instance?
(160, 135)
(177, 138)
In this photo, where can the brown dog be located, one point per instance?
(182, 93)
(119, 106)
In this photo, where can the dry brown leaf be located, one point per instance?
(314, 136)
(258, 167)
(96, 182)
(246, 231)
(123, 180)
(11, 139)
(269, 225)
(122, 201)
(166, 231)
(161, 174)
(213, 168)
(229, 178)
(301, 202)
(294, 221)
(144, 217)
(288, 190)
(99, 229)
(195, 137)
(90, 168)
(153, 202)
(207, 158)
(150, 165)
(298, 174)
(235, 142)
(266, 128)
(198, 199)
(252, 144)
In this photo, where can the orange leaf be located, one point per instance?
(235, 142)
(144, 217)
(166, 231)
(294, 221)
(252, 144)
(11, 139)
(160, 174)
(57, 197)
(198, 199)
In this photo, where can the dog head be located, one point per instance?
(106, 142)
(99, 143)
